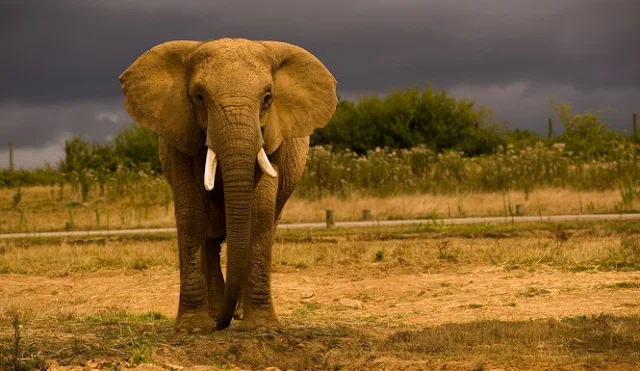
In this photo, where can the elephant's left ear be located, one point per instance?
(304, 94)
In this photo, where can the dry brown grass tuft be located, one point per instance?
(577, 335)
(77, 256)
(575, 251)
(40, 210)
(581, 251)
(541, 202)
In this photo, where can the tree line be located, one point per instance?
(403, 119)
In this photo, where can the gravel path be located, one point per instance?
(475, 220)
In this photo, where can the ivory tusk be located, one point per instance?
(210, 169)
(265, 165)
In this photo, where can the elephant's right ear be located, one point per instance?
(155, 91)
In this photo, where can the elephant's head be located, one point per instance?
(240, 99)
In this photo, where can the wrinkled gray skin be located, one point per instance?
(233, 96)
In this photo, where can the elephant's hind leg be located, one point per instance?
(213, 274)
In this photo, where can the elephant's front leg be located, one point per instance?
(257, 302)
(193, 309)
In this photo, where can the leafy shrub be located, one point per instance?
(405, 119)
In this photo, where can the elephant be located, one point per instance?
(233, 118)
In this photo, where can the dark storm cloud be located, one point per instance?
(31, 124)
(62, 58)
(76, 49)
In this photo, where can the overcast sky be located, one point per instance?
(61, 59)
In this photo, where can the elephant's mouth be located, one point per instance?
(212, 162)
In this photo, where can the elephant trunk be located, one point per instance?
(237, 141)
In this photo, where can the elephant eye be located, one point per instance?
(267, 98)
(199, 97)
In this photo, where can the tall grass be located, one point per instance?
(389, 172)
(122, 199)
(385, 172)
(401, 183)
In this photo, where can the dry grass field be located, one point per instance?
(40, 209)
(562, 296)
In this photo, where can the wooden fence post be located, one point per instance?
(366, 214)
(330, 220)
(550, 134)
(635, 126)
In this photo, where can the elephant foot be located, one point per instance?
(260, 321)
(239, 314)
(194, 322)
(214, 310)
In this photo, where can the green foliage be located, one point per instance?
(137, 146)
(134, 148)
(522, 138)
(386, 172)
(405, 119)
(411, 141)
(77, 153)
(585, 135)
(25, 178)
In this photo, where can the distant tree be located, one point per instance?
(136, 145)
(585, 135)
(409, 118)
(75, 165)
(77, 153)
(103, 161)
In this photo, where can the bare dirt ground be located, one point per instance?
(372, 314)
(370, 294)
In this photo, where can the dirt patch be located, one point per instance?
(605, 342)
(390, 295)
(365, 316)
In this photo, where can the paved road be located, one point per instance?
(477, 220)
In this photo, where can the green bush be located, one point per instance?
(17, 178)
(586, 136)
(405, 119)
(137, 146)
